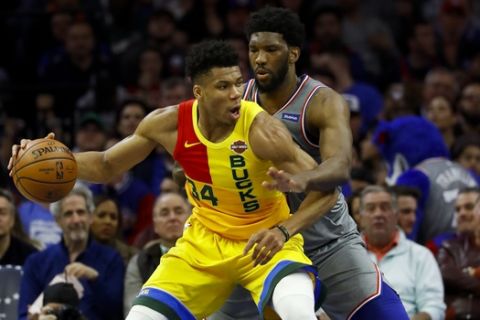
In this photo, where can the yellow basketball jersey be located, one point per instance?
(224, 179)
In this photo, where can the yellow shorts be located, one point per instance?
(195, 277)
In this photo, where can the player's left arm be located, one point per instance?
(329, 115)
(270, 140)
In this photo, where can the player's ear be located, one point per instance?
(197, 91)
(293, 54)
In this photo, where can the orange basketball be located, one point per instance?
(45, 170)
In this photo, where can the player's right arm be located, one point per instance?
(159, 127)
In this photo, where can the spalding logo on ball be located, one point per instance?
(45, 171)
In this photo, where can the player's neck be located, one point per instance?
(275, 99)
(212, 130)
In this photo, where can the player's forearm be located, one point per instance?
(329, 174)
(92, 167)
(314, 207)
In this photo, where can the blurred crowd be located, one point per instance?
(90, 70)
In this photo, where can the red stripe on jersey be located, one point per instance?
(189, 152)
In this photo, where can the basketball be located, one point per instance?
(45, 171)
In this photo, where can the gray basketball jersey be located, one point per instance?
(446, 180)
(337, 222)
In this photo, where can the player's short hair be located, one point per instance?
(207, 55)
(277, 20)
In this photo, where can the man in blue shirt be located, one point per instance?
(99, 269)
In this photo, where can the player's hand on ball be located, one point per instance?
(80, 270)
(17, 147)
(284, 181)
(265, 243)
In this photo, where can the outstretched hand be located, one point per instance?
(23, 144)
(265, 243)
(284, 181)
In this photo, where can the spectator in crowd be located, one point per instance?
(422, 53)
(39, 223)
(326, 35)
(13, 250)
(466, 152)
(457, 255)
(149, 77)
(469, 108)
(417, 157)
(439, 82)
(170, 213)
(372, 39)
(173, 90)
(161, 33)
(441, 112)
(129, 114)
(81, 78)
(401, 99)
(410, 268)
(98, 268)
(407, 203)
(91, 133)
(457, 32)
(107, 227)
(474, 271)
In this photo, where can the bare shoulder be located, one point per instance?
(327, 105)
(161, 120)
(269, 137)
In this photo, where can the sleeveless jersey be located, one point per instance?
(446, 180)
(224, 179)
(337, 223)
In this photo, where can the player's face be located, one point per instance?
(464, 211)
(74, 220)
(6, 217)
(105, 220)
(169, 217)
(219, 93)
(407, 207)
(268, 54)
(379, 219)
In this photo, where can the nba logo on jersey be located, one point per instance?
(239, 146)
(290, 117)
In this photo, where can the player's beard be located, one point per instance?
(276, 78)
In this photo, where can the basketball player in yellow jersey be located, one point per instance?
(239, 231)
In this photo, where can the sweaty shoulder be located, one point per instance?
(160, 126)
(270, 139)
(326, 104)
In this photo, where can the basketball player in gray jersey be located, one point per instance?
(318, 119)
